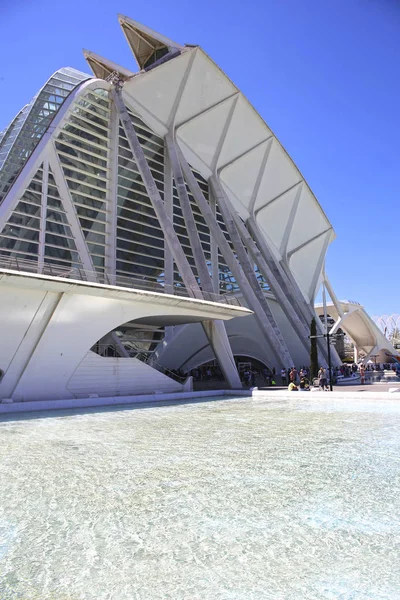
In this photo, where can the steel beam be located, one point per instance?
(286, 301)
(215, 330)
(164, 219)
(269, 322)
(289, 286)
(231, 260)
(218, 339)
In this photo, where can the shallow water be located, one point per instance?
(231, 499)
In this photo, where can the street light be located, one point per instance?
(328, 342)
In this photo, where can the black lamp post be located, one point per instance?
(328, 341)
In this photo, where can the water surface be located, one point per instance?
(236, 499)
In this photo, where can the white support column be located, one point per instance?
(71, 213)
(215, 330)
(333, 296)
(338, 323)
(355, 354)
(43, 213)
(289, 286)
(217, 335)
(231, 260)
(21, 183)
(214, 249)
(112, 209)
(171, 238)
(325, 311)
(370, 353)
(34, 333)
(285, 300)
(269, 323)
(168, 258)
(169, 206)
(193, 235)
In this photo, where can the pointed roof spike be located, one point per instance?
(102, 67)
(147, 45)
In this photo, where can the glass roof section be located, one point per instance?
(22, 136)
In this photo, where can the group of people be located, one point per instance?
(207, 373)
(299, 380)
(295, 379)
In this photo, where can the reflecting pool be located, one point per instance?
(228, 499)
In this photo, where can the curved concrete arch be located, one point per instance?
(60, 320)
(44, 148)
(176, 357)
(358, 325)
(32, 121)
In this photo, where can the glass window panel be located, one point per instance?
(29, 209)
(56, 240)
(78, 199)
(80, 143)
(53, 203)
(56, 216)
(90, 116)
(20, 232)
(149, 261)
(88, 137)
(62, 253)
(86, 178)
(35, 187)
(98, 261)
(83, 166)
(58, 228)
(53, 191)
(92, 225)
(91, 236)
(83, 156)
(96, 248)
(102, 111)
(19, 245)
(90, 214)
(142, 244)
(86, 124)
(84, 189)
(139, 220)
(24, 221)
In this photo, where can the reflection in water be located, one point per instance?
(232, 499)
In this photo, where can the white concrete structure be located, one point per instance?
(165, 179)
(368, 339)
(49, 324)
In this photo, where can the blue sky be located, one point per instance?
(324, 74)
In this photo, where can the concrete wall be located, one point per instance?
(48, 326)
(118, 377)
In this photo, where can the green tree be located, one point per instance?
(313, 350)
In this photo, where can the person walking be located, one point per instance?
(362, 374)
(323, 382)
(283, 376)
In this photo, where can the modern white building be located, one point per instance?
(134, 205)
(368, 339)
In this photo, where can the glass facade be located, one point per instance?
(88, 150)
(24, 133)
(60, 248)
(83, 151)
(21, 234)
(140, 239)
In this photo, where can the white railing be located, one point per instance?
(32, 266)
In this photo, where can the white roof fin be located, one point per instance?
(147, 45)
(102, 67)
